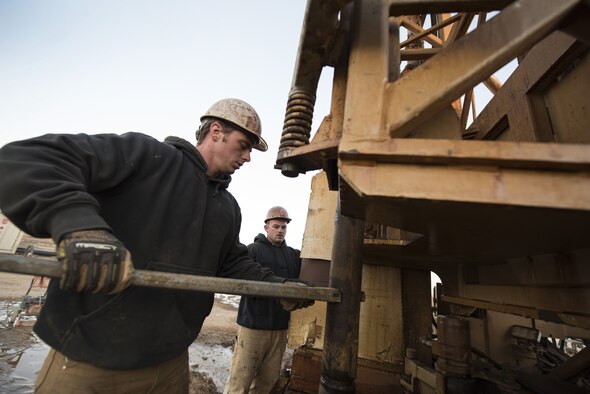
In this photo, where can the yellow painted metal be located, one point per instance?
(463, 64)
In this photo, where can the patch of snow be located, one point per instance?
(212, 360)
(228, 299)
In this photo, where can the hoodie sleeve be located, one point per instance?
(47, 183)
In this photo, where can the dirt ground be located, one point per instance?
(209, 356)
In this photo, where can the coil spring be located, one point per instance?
(298, 119)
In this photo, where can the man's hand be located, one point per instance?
(291, 304)
(94, 260)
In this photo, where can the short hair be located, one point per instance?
(227, 128)
(205, 127)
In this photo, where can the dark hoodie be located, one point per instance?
(266, 313)
(158, 199)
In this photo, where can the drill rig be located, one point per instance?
(496, 202)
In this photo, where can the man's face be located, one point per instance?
(276, 230)
(232, 151)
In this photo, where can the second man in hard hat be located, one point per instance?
(263, 322)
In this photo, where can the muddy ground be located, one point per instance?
(22, 353)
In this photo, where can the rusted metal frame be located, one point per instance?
(446, 31)
(518, 155)
(460, 28)
(412, 7)
(457, 30)
(340, 352)
(536, 72)
(418, 54)
(469, 61)
(473, 107)
(417, 29)
(164, 280)
(465, 111)
(430, 30)
(480, 187)
(493, 84)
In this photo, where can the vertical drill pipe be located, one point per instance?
(319, 27)
(339, 358)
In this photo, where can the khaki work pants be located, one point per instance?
(256, 363)
(62, 375)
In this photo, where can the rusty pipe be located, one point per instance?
(339, 356)
(165, 280)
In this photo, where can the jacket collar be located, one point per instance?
(193, 155)
(262, 239)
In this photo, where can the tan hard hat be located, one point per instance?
(277, 213)
(241, 114)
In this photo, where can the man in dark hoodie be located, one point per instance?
(263, 322)
(114, 202)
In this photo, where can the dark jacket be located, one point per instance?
(158, 199)
(266, 313)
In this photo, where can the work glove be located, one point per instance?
(94, 261)
(291, 304)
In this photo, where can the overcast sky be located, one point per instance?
(71, 66)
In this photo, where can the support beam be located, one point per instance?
(430, 31)
(538, 70)
(468, 61)
(339, 359)
(413, 7)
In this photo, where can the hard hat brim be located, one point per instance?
(261, 145)
(277, 218)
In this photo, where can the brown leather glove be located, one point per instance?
(291, 304)
(94, 261)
